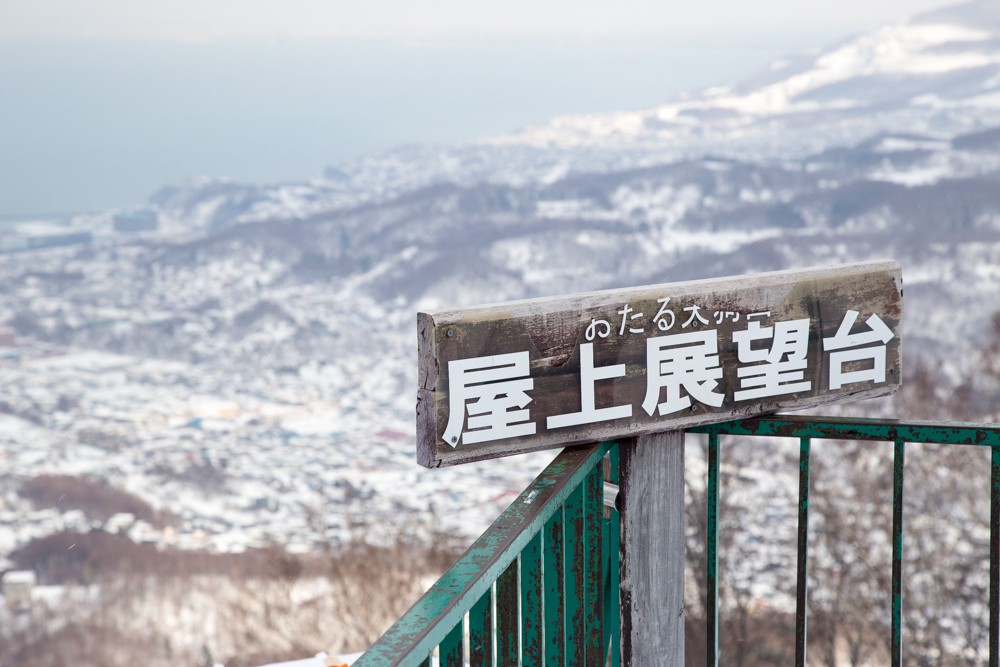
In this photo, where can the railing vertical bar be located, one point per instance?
(802, 581)
(554, 600)
(507, 617)
(594, 574)
(607, 606)
(481, 632)
(612, 574)
(574, 582)
(531, 603)
(712, 553)
(495, 618)
(995, 556)
(450, 650)
(897, 554)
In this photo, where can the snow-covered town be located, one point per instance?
(240, 457)
(218, 384)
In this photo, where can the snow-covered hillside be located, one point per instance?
(936, 75)
(265, 334)
(931, 74)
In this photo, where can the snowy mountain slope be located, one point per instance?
(936, 75)
(294, 304)
(921, 199)
(258, 375)
(940, 72)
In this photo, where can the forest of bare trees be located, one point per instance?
(122, 604)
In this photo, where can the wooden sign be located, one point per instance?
(514, 377)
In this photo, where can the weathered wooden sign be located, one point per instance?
(513, 377)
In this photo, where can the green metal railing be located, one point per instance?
(540, 587)
(886, 430)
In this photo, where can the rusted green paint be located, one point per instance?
(609, 610)
(844, 428)
(574, 583)
(899, 432)
(450, 651)
(414, 636)
(568, 596)
(612, 574)
(802, 574)
(995, 557)
(712, 553)
(531, 603)
(554, 602)
(896, 636)
(481, 632)
(594, 574)
(507, 618)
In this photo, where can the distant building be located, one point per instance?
(119, 522)
(52, 240)
(18, 586)
(33, 235)
(143, 220)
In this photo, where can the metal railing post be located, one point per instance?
(994, 556)
(802, 578)
(712, 553)
(896, 637)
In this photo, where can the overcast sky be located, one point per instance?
(103, 101)
(209, 20)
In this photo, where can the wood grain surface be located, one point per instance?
(665, 364)
(652, 550)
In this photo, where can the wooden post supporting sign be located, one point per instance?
(652, 550)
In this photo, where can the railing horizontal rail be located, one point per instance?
(852, 428)
(410, 641)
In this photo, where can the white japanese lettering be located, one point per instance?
(694, 310)
(624, 313)
(497, 383)
(775, 376)
(661, 314)
(688, 360)
(592, 329)
(878, 333)
(588, 376)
